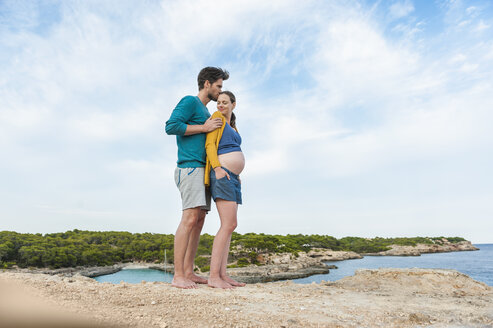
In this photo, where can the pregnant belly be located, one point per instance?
(234, 161)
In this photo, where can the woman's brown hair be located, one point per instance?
(232, 98)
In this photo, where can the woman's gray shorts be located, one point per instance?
(190, 182)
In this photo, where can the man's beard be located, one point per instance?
(211, 97)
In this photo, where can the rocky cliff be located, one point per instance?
(443, 247)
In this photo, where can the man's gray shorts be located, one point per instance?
(190, 182)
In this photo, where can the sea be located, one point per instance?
(476, 264)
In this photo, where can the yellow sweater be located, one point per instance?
(211, 144)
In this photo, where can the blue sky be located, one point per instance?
(363, 118)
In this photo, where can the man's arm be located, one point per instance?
(209, 125)
(182, 113)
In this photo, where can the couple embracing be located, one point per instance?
(209, 163)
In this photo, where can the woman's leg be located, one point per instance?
(224, 262)
(227, 213)
(224, 275)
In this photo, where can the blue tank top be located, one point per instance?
(230, 141)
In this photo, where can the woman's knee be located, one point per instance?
(230, 226)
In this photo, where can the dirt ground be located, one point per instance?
(371, 298)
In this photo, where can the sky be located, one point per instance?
(358, 118)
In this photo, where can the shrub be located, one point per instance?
(252, 256)
(242, 262)
(202, 262)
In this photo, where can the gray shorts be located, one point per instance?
(190, 182)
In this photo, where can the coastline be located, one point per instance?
(274, 267)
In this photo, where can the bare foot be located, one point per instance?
(184, 283)
(197, 279)
(233, 282)
(218, 283)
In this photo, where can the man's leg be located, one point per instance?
(189, 220)
(193, 245)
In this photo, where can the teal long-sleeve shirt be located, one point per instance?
(191, 149)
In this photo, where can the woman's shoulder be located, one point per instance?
(217, 114)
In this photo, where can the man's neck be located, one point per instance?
(204, 97)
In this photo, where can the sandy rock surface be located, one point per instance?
(371, 298)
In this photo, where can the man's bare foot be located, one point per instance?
(218, 283)
(233, 282)
(197, 279)
(180, 282)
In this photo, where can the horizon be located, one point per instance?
(358, 117)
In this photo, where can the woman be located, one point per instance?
(225, 162)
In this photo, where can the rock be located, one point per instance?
(271, 272)
(398, 250)
(415, 281)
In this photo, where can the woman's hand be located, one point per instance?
(221, 173)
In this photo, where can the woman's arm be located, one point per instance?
(211, 148)
(211, 139)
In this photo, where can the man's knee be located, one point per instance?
(201, 218)
(191, 217)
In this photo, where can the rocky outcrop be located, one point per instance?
(443, 247)
(267, 273)
(284, 266)
(405, 298)
(443, 282)
(314, 257)
(97, 271)
(100, 271)
(69, 272)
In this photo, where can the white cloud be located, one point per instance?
(325, 96)
(482, 26)
(401, 9)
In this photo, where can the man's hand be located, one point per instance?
(212, 124)
(221, 173)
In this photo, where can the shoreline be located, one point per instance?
(275, 267)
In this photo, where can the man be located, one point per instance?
(190, 121)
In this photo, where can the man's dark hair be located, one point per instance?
(211, 74)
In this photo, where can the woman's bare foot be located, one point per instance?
(233, 282)
(180, 282)
(197, 279)
(218, 283)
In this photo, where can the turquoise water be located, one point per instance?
(135, 276)
(477, 264)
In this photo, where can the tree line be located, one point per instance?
(98, 248)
